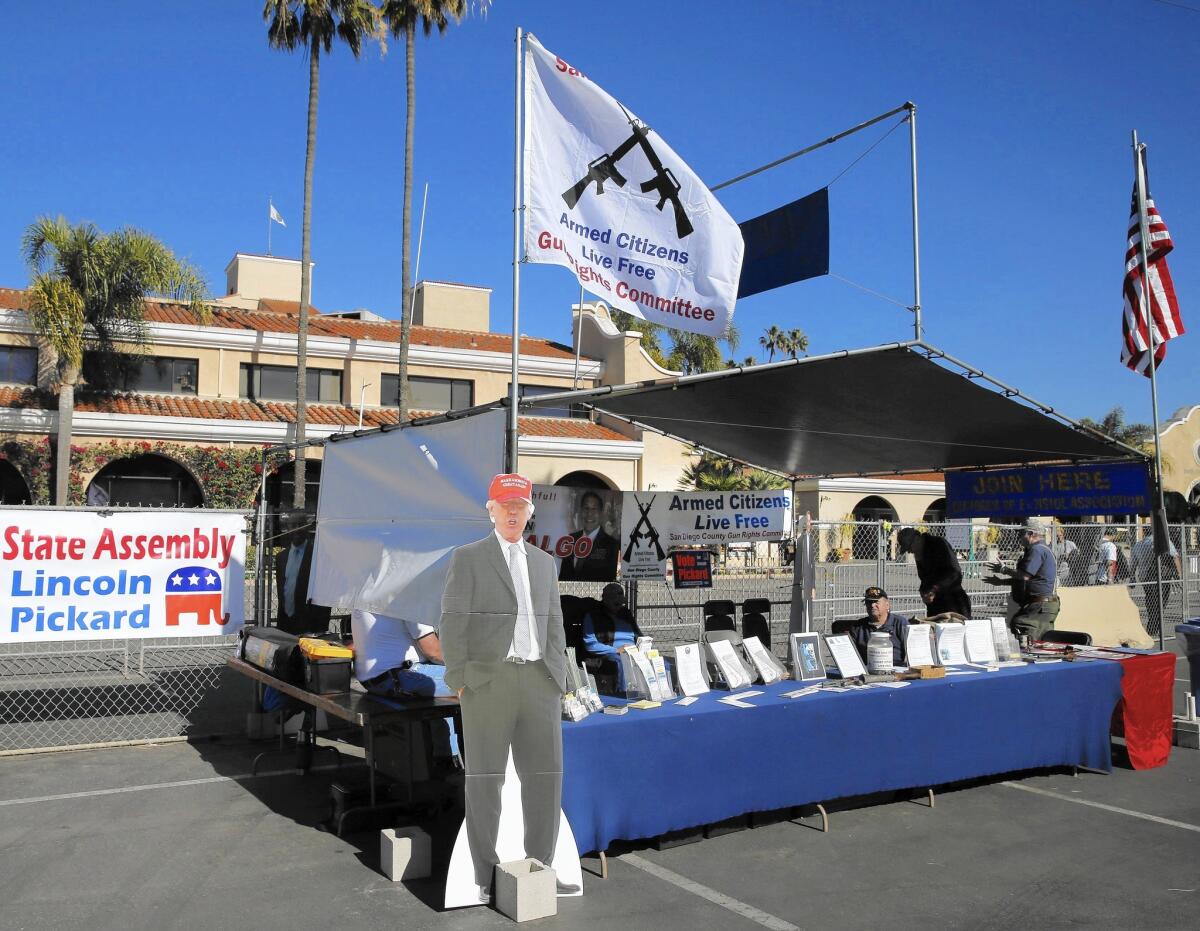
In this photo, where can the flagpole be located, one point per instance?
(510, 453)
(578, 336)
(1144, 287)
(412, 304)
(916, 221)
(270, 204)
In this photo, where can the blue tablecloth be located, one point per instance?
(647, 772)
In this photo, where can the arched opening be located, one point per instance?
(13, 488)
(936, 512)
(866, 541)
(149, 480)
(581, 479)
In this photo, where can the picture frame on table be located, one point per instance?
(807, 662)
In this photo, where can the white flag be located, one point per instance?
(606, 197)
(276, 217)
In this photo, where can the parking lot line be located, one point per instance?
(717, 898)
(182, 783)
(1113, 808)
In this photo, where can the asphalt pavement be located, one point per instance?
(180, 836)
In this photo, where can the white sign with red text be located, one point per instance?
(72, 575)
(606, 197)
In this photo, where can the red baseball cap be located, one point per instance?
(507, 487)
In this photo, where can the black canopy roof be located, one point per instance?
(896, 409)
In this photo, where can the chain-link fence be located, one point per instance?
(852, 555)
(83, 693)
(96, 692)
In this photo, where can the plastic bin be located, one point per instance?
(1189, 631)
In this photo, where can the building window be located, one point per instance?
(564, 410)
(18, 365)
(278, 383)
(127, 372)
(430, 394)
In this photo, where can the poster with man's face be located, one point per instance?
(580, 527)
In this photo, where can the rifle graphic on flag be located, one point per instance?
(663, 183)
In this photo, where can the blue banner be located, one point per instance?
(1099, 488)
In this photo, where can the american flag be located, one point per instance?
(1135, 351)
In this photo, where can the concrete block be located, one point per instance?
(406, 853)
(1186, 734)
(525, 890)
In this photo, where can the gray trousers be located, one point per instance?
(519, 708)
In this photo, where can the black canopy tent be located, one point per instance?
(886, 410)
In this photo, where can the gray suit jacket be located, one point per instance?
(479, 610)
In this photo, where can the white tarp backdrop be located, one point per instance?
(607, 198)
(393, 505)
(75, 575)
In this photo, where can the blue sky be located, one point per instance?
(178, 119)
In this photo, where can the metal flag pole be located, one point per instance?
(1160, 545)
(270, 204)
(412, 303)
(578, 336)
(916, 222)
(510, 452)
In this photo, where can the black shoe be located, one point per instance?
(562, 888)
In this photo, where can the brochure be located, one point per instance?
(845, 654)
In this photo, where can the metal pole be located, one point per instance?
(578, 337)
(510, 452)
(916, 220)
(260, 613)
(1144, 235)
(412, 304)
(270, 204)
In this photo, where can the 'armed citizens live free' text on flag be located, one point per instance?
(606, 197)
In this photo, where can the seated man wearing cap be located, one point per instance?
(937, 567)
(880, 619)
(1032, 582)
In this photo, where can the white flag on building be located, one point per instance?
(606, 197)
(276, 217)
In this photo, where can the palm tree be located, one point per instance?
(88, 293)
(401, 17)
(1113, 424)
(797, 342)
(312, 25)
(1138, 435)
(692, 352)
(716, 473)
(772, 341)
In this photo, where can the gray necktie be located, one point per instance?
(521, 644)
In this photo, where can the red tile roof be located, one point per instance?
(326, 415)
(279, 319)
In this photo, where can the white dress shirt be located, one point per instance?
(524, 611)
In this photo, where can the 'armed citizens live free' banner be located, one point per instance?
(654, 523)
(71, 575)
(606, 197)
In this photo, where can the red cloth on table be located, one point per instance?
(1143, 716)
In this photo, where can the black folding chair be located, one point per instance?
(756, 613)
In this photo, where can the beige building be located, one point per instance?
(224, 389)
(181, 424)
(1181, 453)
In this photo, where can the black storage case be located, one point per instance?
(274, 651)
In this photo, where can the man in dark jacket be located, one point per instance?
(880, 619)
(293, 567)
(937, 568)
